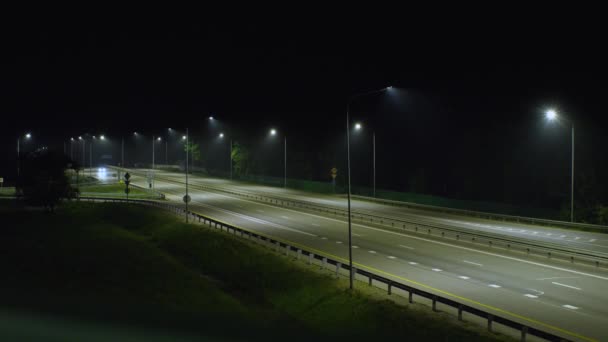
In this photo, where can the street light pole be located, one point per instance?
(230, 158)
(572, 179)
(350, 238)
(285, 164)
(552, 115)
(187, 166)
(374, 157)
(91, 157)
(122, 151)
(18, 156)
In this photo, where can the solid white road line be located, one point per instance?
(552, 278)
(564, 285)
(472, 263)
(316, 225)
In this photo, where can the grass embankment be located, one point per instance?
(110, 264)
(116, 190)
(7, 191)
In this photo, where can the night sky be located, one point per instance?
(467, 114)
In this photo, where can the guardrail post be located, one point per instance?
(524, 332)
(299, 253)
(310, 258)
(390, 288)
(278, 244)
(490, 319)
(287, 249)
(370, 280)
(338, 265)
(434, 303)
(460, 312)
(324, 262)
(410, 297)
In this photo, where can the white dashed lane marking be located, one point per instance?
(391, 257)
(464, 277)
(472, 263)
(571, 307)
(338, 242)
(314, 224)
(359, 235)
(412, 263)
(436, 269)
(373, 252)
(355, 246)
(530, 295)
(564, 285)
(494, 286)
(285, 217)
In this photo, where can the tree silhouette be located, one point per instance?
(43, 180)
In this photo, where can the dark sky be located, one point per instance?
(470, 95)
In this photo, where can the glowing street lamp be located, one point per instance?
(551, 114)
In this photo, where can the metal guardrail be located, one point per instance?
(325, 261)
(523, 246)
(489, 216)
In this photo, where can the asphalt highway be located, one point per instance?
(568, 299)
(580, 240)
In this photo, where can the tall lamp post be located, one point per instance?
(273, 132)
(221, 136)
(27, 136)
(187, 197)
(350, 237)
(358, 127)
(552, 115)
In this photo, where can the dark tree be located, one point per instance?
(43, 180)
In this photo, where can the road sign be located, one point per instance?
(127, 176)
(334, 172)
(187, 199)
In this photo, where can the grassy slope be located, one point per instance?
(115, 190)
(132, 262)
